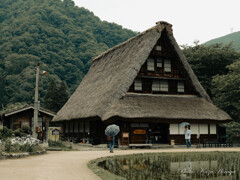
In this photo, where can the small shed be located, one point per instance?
(17, 118)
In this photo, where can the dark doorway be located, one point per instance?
(159, 133)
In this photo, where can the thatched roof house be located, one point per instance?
(107, 91)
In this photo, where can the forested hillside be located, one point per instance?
(56, 33)
(233, 38)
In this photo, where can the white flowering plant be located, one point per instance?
(25, 140)
(21, 144)
(18, 142)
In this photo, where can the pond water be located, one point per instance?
(177, 166)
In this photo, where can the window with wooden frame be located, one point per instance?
(159, 86)
(167, 65)
(164, 86)
(156, 86)
(138, 85)
(159, 63)
(150, 64)
(180, 87)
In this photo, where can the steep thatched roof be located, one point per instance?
(113, 72)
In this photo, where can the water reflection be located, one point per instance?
(214, 166)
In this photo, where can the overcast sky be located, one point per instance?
(192, 20)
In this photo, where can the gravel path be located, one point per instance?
(69, 165)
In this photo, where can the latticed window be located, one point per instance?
(138, 85)
(180, 87)
(150, 64)
(159, 62)
(167, 65)
(164, 86)
(155, 86)
(158, 86)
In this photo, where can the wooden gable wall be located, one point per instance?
(163, 52)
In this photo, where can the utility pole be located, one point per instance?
(35, 118)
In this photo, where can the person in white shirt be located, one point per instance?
(187, 133)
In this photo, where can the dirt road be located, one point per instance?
(71, 165)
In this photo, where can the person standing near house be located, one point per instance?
(187, 133)
(111, 143)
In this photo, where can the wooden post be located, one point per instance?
(35, 118)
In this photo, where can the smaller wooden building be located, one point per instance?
(19, 117)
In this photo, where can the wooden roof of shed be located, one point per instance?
(27, 107)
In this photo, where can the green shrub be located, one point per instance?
(26, 129)
(17, 132)
(6, 133)
(11, 147)
(55, 144)
(234, 139)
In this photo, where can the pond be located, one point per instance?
(177, 166)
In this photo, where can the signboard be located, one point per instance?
(55, 132)
(139, 131)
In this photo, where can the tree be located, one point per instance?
(226, 91)
(50, 99)
(3, 98)
(208, 61)
(62, 93)
(56, 97)
(62, 37)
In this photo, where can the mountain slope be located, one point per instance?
(233, 38)
(56, 33)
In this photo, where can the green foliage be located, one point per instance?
(218, 70)
(17, 132)
(3, 99)
(62, 95)
(5, 133)
(56, 97)
(208, 61)
(14, 148)
(26, 129)
(233, 38)
(56, 33)
(50, 100)
(55, 144)
(58, 144)
(227, 92)
(11, 148)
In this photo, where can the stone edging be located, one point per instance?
(21, 155)
(102, 173)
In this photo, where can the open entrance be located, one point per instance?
(159, 133)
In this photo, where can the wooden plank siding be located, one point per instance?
(176, 74)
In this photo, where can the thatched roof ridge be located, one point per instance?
(113, 72)
(159, 25)
(180, 107)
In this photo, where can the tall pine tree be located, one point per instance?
(56, 97)
(50, 99)
(62, 95)
(3, 98)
